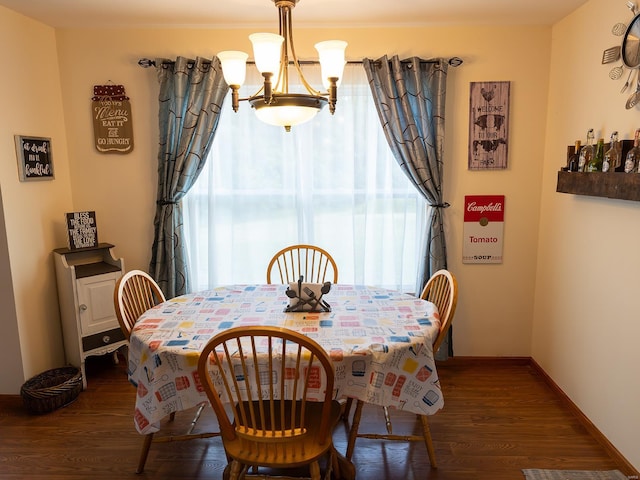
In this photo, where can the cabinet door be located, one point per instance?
(95, 303)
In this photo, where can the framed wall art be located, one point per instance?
(82, 230)
(488, 125)
(34, 158)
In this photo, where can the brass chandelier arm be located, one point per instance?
(267, 87)
(283, 74)
(286, 30)
(333, 94)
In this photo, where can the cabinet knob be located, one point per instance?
(83, 307)
(106, 339)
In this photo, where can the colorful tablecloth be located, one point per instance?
(379, 340)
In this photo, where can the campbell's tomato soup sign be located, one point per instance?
(483, 229)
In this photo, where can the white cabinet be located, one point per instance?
(95, 298)
(86, 279)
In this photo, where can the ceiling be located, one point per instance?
(321, 13)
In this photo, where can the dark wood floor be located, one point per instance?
(500, 416)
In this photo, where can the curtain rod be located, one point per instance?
(147, 62)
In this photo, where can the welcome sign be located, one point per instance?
(483, 229)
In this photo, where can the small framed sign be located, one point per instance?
(34, 158)
(82, 230)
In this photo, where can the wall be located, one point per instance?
(30, 95)
(9, 347)
(121, 188)
(125, 214)
(586, 326)
(576, 253)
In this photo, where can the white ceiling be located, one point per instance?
(328, 13)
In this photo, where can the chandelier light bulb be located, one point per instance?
(332, 60)
(267, 51)
(234, 66)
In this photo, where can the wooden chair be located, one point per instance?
(135, 293)
(261, 426)
(442, 290)
(314, 263)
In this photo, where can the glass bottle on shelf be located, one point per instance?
(595, 164)
(631, 162)
(619, 166)
(572, 164)
(612, 156)
(586, 153)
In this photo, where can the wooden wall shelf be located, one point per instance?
(620, 185)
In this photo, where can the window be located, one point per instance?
(332, 182)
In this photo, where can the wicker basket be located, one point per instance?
(51, 390)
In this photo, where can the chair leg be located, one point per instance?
(234, 471)
(341, 468)
(335, 466)
(426, 432)
(314, 469)
(353, 431)
(146, 444)
(347, 409)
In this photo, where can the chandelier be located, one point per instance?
(273, 55)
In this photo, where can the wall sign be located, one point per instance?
(82, 230)
(483, 229)
(488, 125)
(112, 127)
(34, 158)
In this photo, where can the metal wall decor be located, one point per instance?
(626, 55)
(483, 231)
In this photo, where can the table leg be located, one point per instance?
(342, 468)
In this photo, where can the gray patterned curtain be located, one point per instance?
(191, 96)
(410, 99)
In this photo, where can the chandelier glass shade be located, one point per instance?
(273, 55)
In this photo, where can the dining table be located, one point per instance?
(379, 340)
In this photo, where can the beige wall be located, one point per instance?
(30, 95)
(547, 235)
(125, 215)
(586, 326)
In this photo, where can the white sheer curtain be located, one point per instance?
(331, 182)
